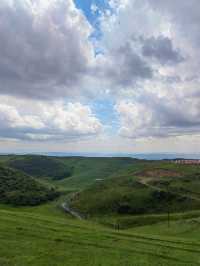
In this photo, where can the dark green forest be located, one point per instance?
(17, 188)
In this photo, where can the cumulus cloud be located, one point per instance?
(44, 48)
(124, 67)
(145, 58)
(165, 103)
(161, 48)
(48, 122)
(57, 57)
(159, 116)
(184, 16)
(138, 45)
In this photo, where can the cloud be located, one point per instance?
(57, 56)
(124, 67)
(44, 48)
(145, 60)
(161, 48)
(156, 116)
(94, 8)
(162, 101)
(137, 50)
(48, 122)
(183, 15)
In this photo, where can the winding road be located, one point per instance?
(67, 209)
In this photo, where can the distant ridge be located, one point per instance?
(146, 156)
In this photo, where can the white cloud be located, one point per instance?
(165, 103)
(159, 116)
(94, 8)
(44, 48)
(147, 62)
(48, 121)
(134, 119)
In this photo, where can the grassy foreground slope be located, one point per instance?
(17, 188)
(32, 238)
(187, 228)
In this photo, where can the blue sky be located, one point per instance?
(92, 17)
(103, 108)
(85, 6)
(123, 87)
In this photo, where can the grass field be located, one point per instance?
(84, 171)
(45, 235)
(143, 188)
(41, 237)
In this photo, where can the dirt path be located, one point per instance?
(67, 209)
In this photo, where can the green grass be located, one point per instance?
(45, 235)
(133, 221)
(86, 171)
(33, 238)
(143, 188)
(184, 227)
(55, 170)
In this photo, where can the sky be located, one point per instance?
(107, 76)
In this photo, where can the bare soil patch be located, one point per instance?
(158, 173)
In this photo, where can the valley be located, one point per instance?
(132, 212)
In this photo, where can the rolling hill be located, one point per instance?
(71, 173)
(40, 166)
(156, 188)
(17, 188)
(125, 203)
(86, 171)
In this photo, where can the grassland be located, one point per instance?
(45, 235)
(83, 171)
(41, 237)
(143, 188)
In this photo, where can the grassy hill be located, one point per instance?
(130, 193)
(149, 188)
(42, 238)
(40, 166)
(86, 171)
(71, 173)
(17, 188)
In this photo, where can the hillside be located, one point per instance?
(86, 171)
(157, 187)
(72, 173)
(125, 202)
(17, 188)
(42, 238)
(40, 166)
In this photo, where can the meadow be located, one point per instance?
(46, 235)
